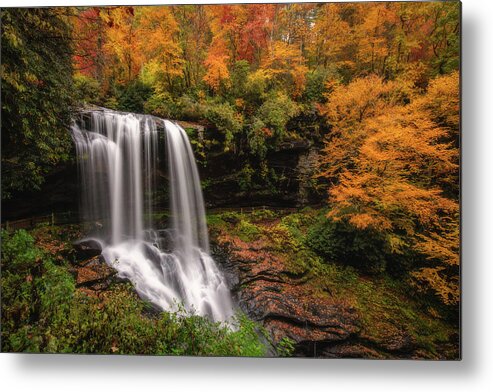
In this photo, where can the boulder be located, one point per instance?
(88, 248)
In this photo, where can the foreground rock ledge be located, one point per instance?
(320, 326)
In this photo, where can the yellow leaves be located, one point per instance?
(373, 42)
(392, 167)
(330, 34)
(13, 78)
(286, 61)
(443, 285)
(365, 221)
(121, 41)
(413, 75)
(240, 103)
(280, 58)
(10, 35)
(396, 244)
(443, 101)
(443, 244)
(158, 32)
(298, 74)
(138, 36)
(150, 71)
(362, 98)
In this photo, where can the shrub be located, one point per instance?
(190, 109)
(133, 96)
(257, 134)
(263, 214)
(339, 242)
(248, 231)
(276, 111)
(231, 217)
(245, 177)
(226, 120)
(161, 104)
(239, 75)
(87, 89)
(18, 251)
(256, 87)
(285, 347)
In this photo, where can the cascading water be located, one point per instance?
(119, 155)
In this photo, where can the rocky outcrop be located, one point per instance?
(287, 181)
(88, 248)
(92, 274)
(320, 325)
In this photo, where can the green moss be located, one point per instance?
(285, 347)
(248, 231)
(385, 305)
(215, 221)
(263, 215)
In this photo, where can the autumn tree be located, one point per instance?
(216, 64)
(390, 165)
(122, 44)
(194, 38)
(239, 32)
(330, 35)
(89, 39)
(220, 53)
(286, 65)
(157, 37)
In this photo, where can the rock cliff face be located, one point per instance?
(59, 193)
(288, 183)
(287, 306)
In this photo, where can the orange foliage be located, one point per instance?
(216, 65)
(285, 61)
(374, 42)
(157, 40)
(330, 36)
(391, 165)
(407, 42)
(89, 33)
(122, 43)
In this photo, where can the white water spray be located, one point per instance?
(119, 156)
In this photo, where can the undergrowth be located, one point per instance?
(42, 311)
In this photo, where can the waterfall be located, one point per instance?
(119, 158)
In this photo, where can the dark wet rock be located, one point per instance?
(229, 270)
(87, 248)
(393, 340)
(345, 350)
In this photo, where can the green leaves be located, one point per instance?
(37, 95)
(226, 120)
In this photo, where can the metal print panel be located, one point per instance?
(267, 180)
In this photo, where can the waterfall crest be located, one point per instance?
(119, 157)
